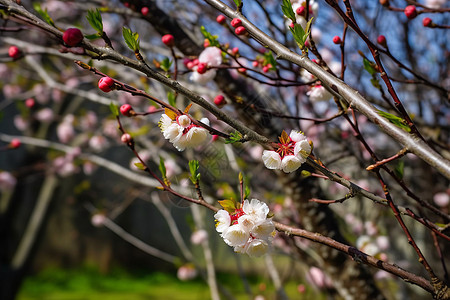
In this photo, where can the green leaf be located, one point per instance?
(92, 36)
(171, 99)
(286, 7)
(140, 166)
(299, 35)
(238, 3)
(95, 19)
(193, 167)
(308, 29)
(131, 38)
(165, 64)
(213, 39)
(246, 192)
(375, 82)
(234, 137)
(114, 109)
(44, 14)
(228, 205)
(369, 66)
(269, 59)
(397, 121)
(162, 167)
(399, 169)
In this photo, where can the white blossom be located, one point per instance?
(181, 132)
(319, 93)
(271, 159)
(290, 163)
(236, 235)
(256, 247)
(223, 220)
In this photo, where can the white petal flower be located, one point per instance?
(247, 222)
(235, 235)
(263, 230)
(184, 121)
(319, 93)
(271, 159)
(302, 149)
(196, 136)
(202, 78)
(212, 56)
(257, 248)
(290, 163)
(205, 121)
(173, 132)
(223, 220)
(256, 208)
(297, 136)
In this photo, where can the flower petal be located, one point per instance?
(271, 159)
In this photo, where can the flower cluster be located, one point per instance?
(246, 228)
(290, 152)
(181, 132)
(210, 57)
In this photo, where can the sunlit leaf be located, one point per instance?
(234, 137)
(193, 168)
(397, 121)
(172, 115)
(213, 39)
(131, 38)
(286, 7)
(140, 166)
(228, 205)
(114, 109)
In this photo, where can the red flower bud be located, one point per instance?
(14, 144)
(127, 110)
(255, 63)
(266, 69)
(106, 84)
(168, 40)
(220, 101)
(14, 52)
(215, 137)
(144, 11)
(242, 70)
(30, 102)
(410, 12)
(292, 25)
(427, 22)
(202, 68)
(206, 43)
(337, 40)
(240, 30)
(236, 22)
(221, 19)
(72, 37)
(235, 50)
(382, 40)
(301, 11)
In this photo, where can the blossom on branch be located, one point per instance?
(246, 227)
(291, 152)
(180, 130)
(210, 57)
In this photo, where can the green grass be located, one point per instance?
(88, 284)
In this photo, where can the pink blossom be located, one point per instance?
(441, 199)
(199, 236)
(98, 143)
(7, 181)
(186, 272)
(44, 115)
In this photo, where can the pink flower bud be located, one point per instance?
(255, 63)
(106, 84)
(301, 11)
(14, 144)
(221, 19)
(72, 36)
(206, 43)
(126, 138)
(337, 40)
(215, 137)
(427, 22)
(127, 110)
(235, 50)
(168, 40)
(195, 61)
(30, 102)
(236, 22)
(202, 68)
(240, 30)
(144, 11)
(382, 40)
(265, 69)
(292, 25)
(14, 52)
(410, 12)
(242, 70)
(220, 101)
